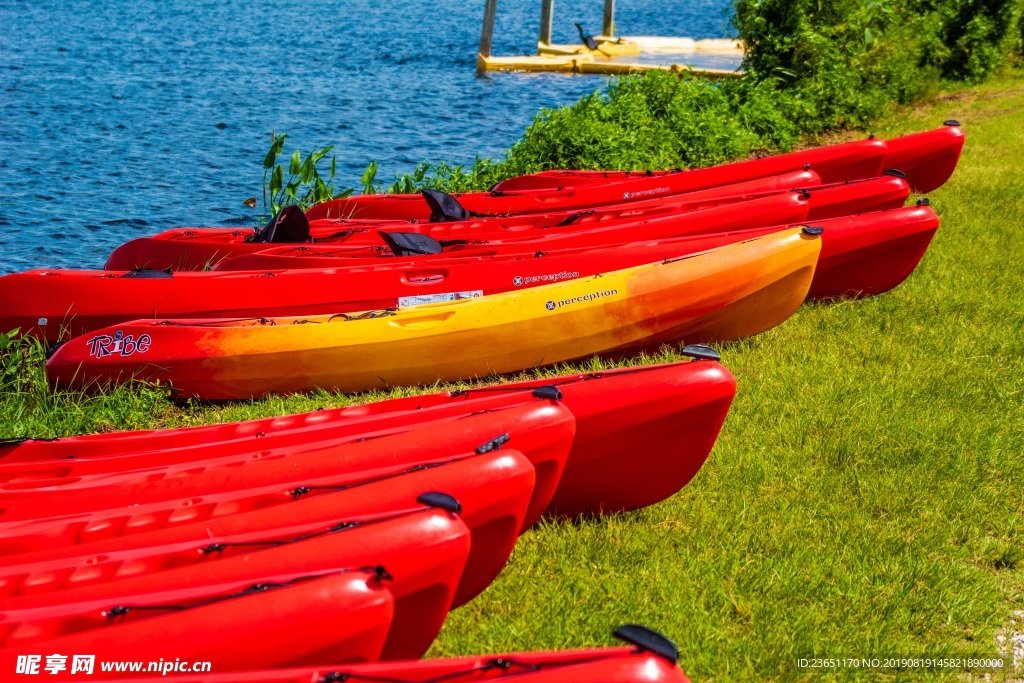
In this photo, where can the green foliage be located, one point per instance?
(812, 67)
(17, 355)
(368, 177)
(305, 186)
(850, 58)
(28, 407)
(481, 175)
(656, 121)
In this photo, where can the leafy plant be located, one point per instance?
(304, 186)
(368, 176)
(18, 356)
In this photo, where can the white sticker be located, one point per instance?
(407, 301)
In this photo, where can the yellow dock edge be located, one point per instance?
(586, 64)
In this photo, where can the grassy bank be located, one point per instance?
(865, 496)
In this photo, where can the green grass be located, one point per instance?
(865, 497)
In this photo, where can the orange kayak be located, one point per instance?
(723, 294)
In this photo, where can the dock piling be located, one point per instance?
(547, 17)
(608, 25)
(486, 33)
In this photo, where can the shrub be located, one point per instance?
(812, 66)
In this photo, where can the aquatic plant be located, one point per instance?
(305, 186)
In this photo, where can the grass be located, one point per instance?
(865, 497)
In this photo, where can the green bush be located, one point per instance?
(812, 66)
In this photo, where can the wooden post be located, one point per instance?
(608, 27)
(490, 8)
(547, 16)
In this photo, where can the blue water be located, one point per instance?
(126, 117)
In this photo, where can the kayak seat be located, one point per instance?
(149, 274)
(410, 243)
(290, 226)
(444, 207)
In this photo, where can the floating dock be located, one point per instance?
(610, 55)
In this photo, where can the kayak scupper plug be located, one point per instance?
(379, 572)
(117, 611)
(648, 640)
(500, 663)
(700, 352)
(442, 501)
(494, 444)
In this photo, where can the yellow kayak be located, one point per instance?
(718, 295)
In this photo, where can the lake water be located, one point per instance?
(126, 117)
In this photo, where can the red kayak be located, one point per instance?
(876, 194)
(198, 248)
(669, 413)
(86, 472)
(928, 159)
(231, 250)
(873, 258)
(850, 161)
(651, 659)
(290, 620)
(80, 302)
(423, 552)
(493, 491)
(187, 492)
(871, 253)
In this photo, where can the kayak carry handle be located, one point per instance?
(443, 501)
(700, 352)
(648, 640)
(814, 230)
(895, 172)
(951, 122)
(923, 201)
(550, 392)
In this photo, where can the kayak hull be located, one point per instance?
(928, 159)
(344, 617)
(91, 300)
(872, 253)
(668, 413)
(423, 552)
(38, 519)
(494, 491)
(607, 665)
(199, 248)
(706, 297)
